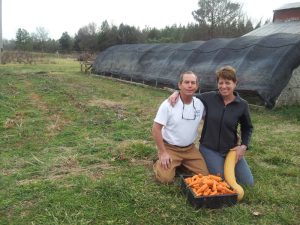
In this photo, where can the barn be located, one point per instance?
(267, 61)
(286, 19)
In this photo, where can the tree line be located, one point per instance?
(214, 19)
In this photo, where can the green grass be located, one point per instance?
(77, 149)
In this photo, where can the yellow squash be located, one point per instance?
(229, 174)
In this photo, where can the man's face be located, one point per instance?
(189, 85)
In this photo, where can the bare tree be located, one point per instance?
(40, 38)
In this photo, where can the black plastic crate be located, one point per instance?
(213, 202)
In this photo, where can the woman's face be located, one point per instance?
(226, 87)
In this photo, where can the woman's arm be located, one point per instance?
(246, 127)
(173, 98)
(246, 133)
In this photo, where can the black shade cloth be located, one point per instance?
(264, 64)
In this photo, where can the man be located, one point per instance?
(175, 129)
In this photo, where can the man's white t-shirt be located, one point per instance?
(181, 122)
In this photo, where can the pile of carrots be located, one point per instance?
(208, 185)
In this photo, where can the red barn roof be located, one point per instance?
(287, 12)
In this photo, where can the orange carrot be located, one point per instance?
(208, 185)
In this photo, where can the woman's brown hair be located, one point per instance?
(226, 72)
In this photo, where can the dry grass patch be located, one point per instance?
(8, 172)
(57, 123)
(34, 180)
(14, 165)
(285, 127)
(27, 206)
(38, 102)
(104, 103)
(118, 107)
(70, 168)
(15, 121)
(64, 166)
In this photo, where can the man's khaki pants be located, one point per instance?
(189, 157)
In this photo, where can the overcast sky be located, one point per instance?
(58, 16)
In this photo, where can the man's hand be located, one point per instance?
(164, 157)
(240, 152)
(173, 98)
(165, 160)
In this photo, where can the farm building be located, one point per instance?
(267, 61)
(286, 19)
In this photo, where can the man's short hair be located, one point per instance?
(188, 72)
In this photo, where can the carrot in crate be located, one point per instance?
(208, 185)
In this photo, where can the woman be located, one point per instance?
(225, 110)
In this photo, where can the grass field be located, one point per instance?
(77, 149)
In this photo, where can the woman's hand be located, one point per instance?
(173, 98)
(240, 152)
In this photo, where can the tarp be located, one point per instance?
(291, 27)
(264, 64)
